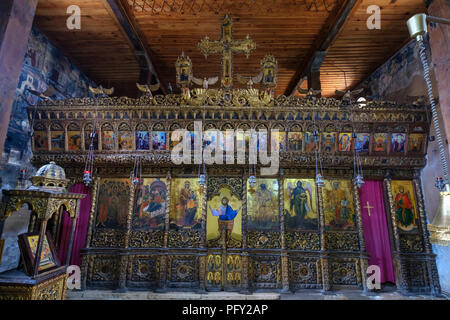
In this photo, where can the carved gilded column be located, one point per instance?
(163, 258)
(431, 262)
(323, 254)
(363, 258)
(83, 139)
(284, 255)
(244, 282)
(124, 252)
(116, 136)
(100, 140)
(133, 135)
(49, 138)
(203, 244)
(86, 259)
(399, 274)
(66, 139)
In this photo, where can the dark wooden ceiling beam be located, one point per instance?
(318, 51)
(148, 73)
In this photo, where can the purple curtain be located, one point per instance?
(79, 238)
(376, 229)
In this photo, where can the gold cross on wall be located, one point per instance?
(227, 46)
(368, 207)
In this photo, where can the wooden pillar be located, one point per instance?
(83, 141)
(326, 287)
(284, 254)
(203, 245)
(124, 254)
(72, 232)
(363, 258)
(86, 259)
(16, 19)
(314, 80)
(432, 275)
(164, 255)
(244, 269)
(400, 281)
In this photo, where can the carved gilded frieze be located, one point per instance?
(108, 238)
(342, 241)
(183, 269)
(185, 239)
(410, 243)
(304, 271)
(264, 239)
(143, 269)
(146, 239)
(343, 273)
(303, 241)
(265, 271)
(104, 268)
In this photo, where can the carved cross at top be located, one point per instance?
(227, 46)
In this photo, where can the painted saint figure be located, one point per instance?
(299, 203)
(345, 142)
(188, 205)
(339, 208)
(226, 216)
(264, 204)
(403, 208)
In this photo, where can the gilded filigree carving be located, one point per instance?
(184, 238)
(343, 273)
(302, 241)
(342, 241)
(263, 239)
(146, 239)
(108, 238)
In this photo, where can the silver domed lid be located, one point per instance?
(50, 177)
(51, 171)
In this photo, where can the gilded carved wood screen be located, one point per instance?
(282, 233)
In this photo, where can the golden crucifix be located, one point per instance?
(227, 46)
(368, 207)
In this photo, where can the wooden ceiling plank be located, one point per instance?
(140, 49)
(323, 42)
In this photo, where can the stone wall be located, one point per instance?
(44, 65)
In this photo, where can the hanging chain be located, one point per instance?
(426, 75)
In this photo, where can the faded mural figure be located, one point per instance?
(226, 216)
(188, 206)
(339, 209)
(264, 204)
(113, 204)
(263, 207)
(102, 214)
(404, 208)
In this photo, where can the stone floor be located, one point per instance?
(299, 295)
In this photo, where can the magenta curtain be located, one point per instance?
(376, 229)
(79, 239)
